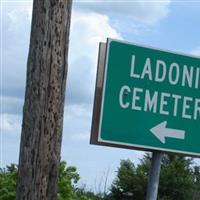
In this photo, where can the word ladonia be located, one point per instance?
(164, 103)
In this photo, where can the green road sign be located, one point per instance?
(150, 99)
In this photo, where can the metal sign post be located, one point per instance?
(152, 190)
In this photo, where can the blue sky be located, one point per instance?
(171, 25)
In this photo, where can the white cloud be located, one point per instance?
(80, 136)
(75, 111)
(147, 12)
(196, 52)
(10, 129)
(87, 30)
(15, 33)
(77, 123)
(17, 15)
(10, 123)
(11, 105)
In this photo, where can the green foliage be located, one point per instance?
(83, 194)
(68, 176)
(125, 181)
(179, 179)
(8, 179)
(67, 179)
(196, 179)
(176, 180)
(130, 181)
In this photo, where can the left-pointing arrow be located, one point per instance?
(161, 132)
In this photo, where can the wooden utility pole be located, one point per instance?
(44, 100)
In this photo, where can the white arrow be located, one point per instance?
(161, 132)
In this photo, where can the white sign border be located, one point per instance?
(109, 40)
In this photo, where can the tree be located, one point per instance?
(83, 194)
(67, 180)
(44, 100)
(196, 180)
(179, 179)
(8, 179)
(176, 181)
(125, 181)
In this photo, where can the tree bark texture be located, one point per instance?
(44, 100)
